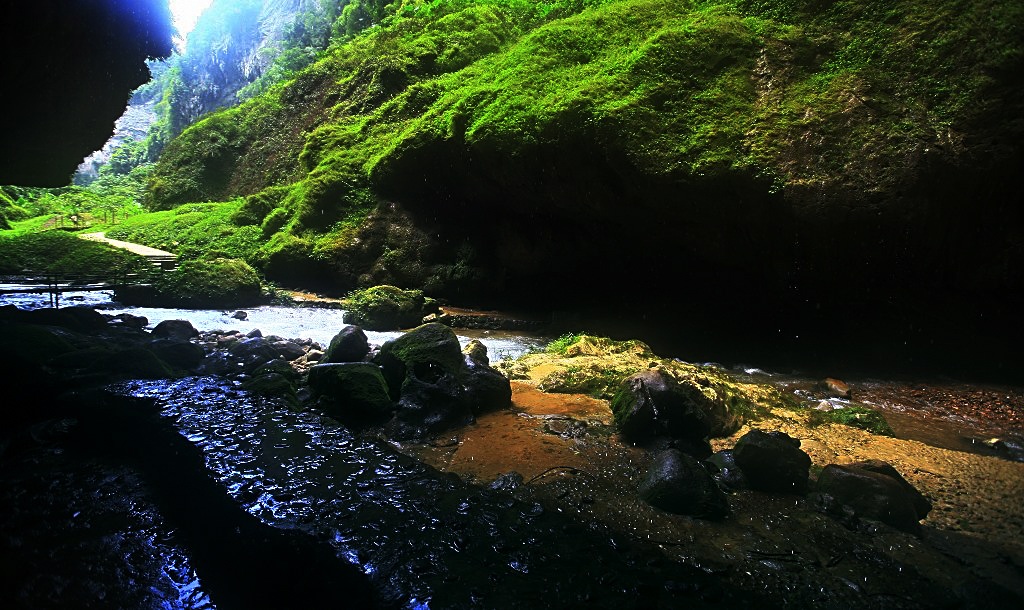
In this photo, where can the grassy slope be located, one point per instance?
(818, 100)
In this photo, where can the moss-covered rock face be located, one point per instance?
(649, 396)
(387, 308)
(435, 385)
(767, 155)
(354, 393)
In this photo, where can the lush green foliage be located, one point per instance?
(562, 343)
(387, 307)
(61, 252)
(792, 95)
(854, 416)
(210, 282)
(193, 231)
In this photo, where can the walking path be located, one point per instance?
(136, 248)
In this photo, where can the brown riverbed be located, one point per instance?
(566, 450)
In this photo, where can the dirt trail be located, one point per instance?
(136, 248)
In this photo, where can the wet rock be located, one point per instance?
(279, 367)
(477, 352)
(252, 334)
(272, 384)
(77, 318)
(486, 388)
(653, 403)
(178, 353)
(253, 353)
(836, 388)
(96, 364)
(240, 315)
(922, 505)
(354, 393)
(873, 493)
(349, 345)
(772, 462)
(507, 482)
(435, 385)
(289, 350)
(129, 320)
(176, 329)
(723, 467)
(677, 483)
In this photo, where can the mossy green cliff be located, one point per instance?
(800, 160)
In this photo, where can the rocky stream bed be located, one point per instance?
(197, 488)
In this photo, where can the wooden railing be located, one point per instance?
(56, 284)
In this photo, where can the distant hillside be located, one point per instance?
(235, 49)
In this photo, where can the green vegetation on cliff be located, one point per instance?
(575, 108)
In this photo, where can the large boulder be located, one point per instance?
(772, 462)
(349, 345)
(435, 385)
(661, 403)
(178, 353)
(875, 490)
(677, 483)
(354, 393)
(387, 308)
(78, 318)
(176, 329)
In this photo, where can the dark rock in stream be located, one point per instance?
(435, 386)
(875, 490)
(677, 483)
(354, 393)
(349, 345)
(176, 329)
(772, 462)
(178, 353)
(724, 469)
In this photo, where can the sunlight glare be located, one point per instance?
(186, 13)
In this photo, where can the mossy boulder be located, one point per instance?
(697, 401)
(387, 308)
(272, 384)
(435, 385)
(679, 401)
(354, 393)
(210, 283)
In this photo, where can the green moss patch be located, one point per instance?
(854, 416)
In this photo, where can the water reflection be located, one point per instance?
(425, 538)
